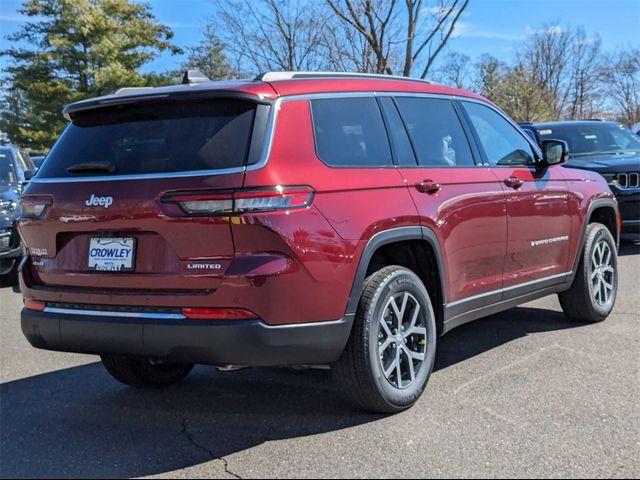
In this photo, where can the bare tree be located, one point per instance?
(373, 20)
(346, 50)
(545, 54)
(430, 35)
(262, 35)
(621, 74)
(401, 41)
(584, 82)
(455, 70)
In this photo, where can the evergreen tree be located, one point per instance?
(70, 50)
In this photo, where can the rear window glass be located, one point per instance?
(349, 132)
(436, 132)
(154, 138)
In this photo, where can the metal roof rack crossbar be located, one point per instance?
(275, 76)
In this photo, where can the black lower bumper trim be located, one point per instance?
(250, 343)
(630, 226)
(12, 253)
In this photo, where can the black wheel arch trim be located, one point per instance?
(393, 235)
(594, 205)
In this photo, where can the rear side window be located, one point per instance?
(436, 132)
(149, 138)
(398, 134)
(349, 132)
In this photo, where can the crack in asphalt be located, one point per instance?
(184, 422)
(500, 370)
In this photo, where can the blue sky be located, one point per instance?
(492, 26)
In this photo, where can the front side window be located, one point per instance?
(503, 145)
(435, 131)
(349, 132)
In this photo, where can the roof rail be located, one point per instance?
(275, 76)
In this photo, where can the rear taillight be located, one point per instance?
(34, 206)
(34, 305)
(218, 314)
(242, 201)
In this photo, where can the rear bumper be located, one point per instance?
(248, 343)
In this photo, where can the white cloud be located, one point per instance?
(182, 25)
(587, 41)
(13, 17)
(460, 30)
(469, 30)
(552, 29)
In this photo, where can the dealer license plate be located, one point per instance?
(115, 254)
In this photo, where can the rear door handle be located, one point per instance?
(514, 182)
(428, 186)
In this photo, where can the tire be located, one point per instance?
(586, 301)
(360, 371)
(142, 373)
(10, 279)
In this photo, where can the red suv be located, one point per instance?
(302, 218)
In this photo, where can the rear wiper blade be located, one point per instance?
(92, 167)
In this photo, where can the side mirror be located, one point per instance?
(28, 175)
(555, 152)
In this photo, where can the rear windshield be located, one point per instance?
(154, 138)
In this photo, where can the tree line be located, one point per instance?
(68, 50)
(559, 73)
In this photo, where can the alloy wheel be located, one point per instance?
(602, 273)
(402, 340)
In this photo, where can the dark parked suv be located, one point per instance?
(608, 148)
(302, 218)
(15, 170)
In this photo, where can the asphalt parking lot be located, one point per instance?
(520, 394)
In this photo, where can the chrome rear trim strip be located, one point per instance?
(107, 313)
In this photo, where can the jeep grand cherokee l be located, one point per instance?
(302, 218)
(608, 148)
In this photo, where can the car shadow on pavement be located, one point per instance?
(78, 422)
(483, 335)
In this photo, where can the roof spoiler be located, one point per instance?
(128, 95)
